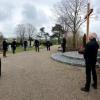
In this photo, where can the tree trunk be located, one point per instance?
(74, 41)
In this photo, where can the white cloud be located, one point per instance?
(37, 12)
(13, 12)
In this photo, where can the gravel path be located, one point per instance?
(35, 76)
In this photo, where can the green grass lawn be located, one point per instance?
(21, 49)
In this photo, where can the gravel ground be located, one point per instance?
(35, 76)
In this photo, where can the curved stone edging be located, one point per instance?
(75, 55)
(68, 60)
(60, 58)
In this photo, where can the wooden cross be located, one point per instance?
(87, 17)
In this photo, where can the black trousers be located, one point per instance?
(4, 53)
(37, 48)
(63, 49)
(91, 68)
(13, 50)
(24, 48)
(48, 48)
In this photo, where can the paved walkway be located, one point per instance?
(35, 76)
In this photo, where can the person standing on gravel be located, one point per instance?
(48, 44)
(36, 44)
(64, 45)
(90, 55)
(13, 46)
(25, 45)
(5, 47)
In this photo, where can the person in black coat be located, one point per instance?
(64, 45)
(5, 47)
(13, 46)
(25, 45)
(36, 44)
(48, 44)
(90, 55)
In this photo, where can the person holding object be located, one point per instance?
(90, 56)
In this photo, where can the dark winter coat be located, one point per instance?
(5, 45)
(13, 45)
(91, 50)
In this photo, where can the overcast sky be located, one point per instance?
(37, 12)
(95, 18)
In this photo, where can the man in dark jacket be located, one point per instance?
(90, 55)
(36, 44)
(5, 47)
(64, 45)
(48, 44)
(25, 45)
(13, 46)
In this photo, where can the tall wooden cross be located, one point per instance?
(87, 17)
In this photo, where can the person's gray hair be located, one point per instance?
(92, 35)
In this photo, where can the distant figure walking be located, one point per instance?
(5, 47)
(90, 55)
(64, 45)
(36, 44)
(48, 44)
(13, 46)
(25, 45)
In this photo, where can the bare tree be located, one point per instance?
(30, 31)
(25, 31)
(63, 24)
(70, 14)
(20, 31)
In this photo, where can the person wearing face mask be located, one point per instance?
(90, 56)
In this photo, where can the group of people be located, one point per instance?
(25, 44)
(5, 47)
(13, 46)
(90, 51)
(37, 44)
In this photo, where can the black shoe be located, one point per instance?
(94, 86)
(84, 89)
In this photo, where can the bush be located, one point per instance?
(54, 41)
(69, 43)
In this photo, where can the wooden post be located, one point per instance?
(88, 21)
(87, 17)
